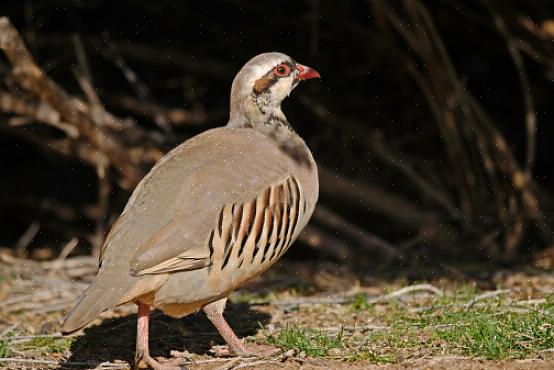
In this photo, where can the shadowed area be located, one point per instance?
(114, 339)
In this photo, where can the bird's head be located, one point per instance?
(264, 82)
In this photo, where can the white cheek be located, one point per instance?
(282, 88)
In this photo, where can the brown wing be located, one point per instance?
(166, 228)
(157, 255)
(245, 238)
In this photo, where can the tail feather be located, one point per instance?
(94, 301)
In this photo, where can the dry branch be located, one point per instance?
(474, 145)
(395, 207)
(73, 111)
(328, 244)
(528, 101)
(426, 188)
(365, 240)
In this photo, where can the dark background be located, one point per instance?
(383, 123)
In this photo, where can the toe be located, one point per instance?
(174, 364)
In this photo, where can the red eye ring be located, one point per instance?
(281, 70)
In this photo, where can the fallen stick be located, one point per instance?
(487, 295)
(255, 363)
(344, 300)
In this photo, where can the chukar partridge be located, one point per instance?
(212, 214)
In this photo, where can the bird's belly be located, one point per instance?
(178, 310)
(184, 292)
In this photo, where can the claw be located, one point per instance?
(144, 361)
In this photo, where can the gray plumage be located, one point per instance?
(213, 213)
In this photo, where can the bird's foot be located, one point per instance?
(250, 350)
(147, 362)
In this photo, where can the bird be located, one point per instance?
(212, 214)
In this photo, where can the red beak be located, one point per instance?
(305, 73)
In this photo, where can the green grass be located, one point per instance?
(313, 343)
(5, 348)
(496, 328)
(500, 333)
(359, 304)
(49, 344)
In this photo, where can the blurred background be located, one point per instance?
(432, 124)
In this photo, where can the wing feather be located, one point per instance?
(172, 214)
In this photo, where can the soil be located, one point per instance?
(36, 296)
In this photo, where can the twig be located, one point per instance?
(528, 101)
(242, 363)
(211, 360)
(393, 205)
(255, 363)
(487, 295)
(230, 364)
(176, 115)
(37, 111)
(406, 290)
(532, 301)
(27, 237)
(366, 240)
(7, 330)
(73, 262)
(325, 242)
(84, 76)
(344, 300)
(172, 57)
(426, 188)
(66, 250)
(141, 90)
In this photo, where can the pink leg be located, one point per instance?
(142, 354)
(214, 312)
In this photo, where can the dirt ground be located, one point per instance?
(423, 364)
(35, 296)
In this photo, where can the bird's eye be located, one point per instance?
(281, 70)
